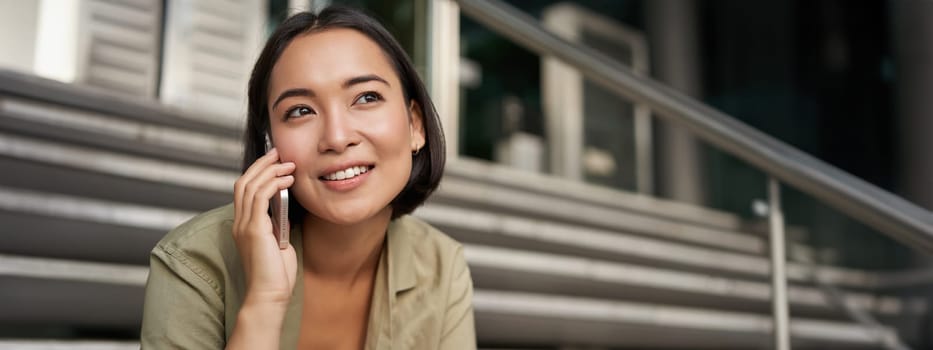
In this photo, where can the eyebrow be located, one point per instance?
(292, 93)
(299, 92)
(364, 79)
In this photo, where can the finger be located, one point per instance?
(259, 165)
(244, 186)
(237, 205)
(260, 206)
(285, 168)
(267, 173)
(263, 176)
(290, 261)
(257, 196)
(242, 218)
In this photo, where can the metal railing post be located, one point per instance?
(444, 68)
(778, 276)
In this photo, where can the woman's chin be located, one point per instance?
(352, 217)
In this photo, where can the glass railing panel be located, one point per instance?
(501, 118)
(534, 113)
(867, 277)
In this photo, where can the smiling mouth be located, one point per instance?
(347, 173)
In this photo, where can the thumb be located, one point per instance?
(290, 262)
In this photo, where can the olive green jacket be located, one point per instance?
(422, 298)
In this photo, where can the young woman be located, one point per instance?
(359, 146)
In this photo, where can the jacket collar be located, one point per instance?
(401, 269)
(402, 274)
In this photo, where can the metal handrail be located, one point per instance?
(873, 206)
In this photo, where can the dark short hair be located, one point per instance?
(427, 165)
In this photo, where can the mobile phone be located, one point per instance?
(278, 210)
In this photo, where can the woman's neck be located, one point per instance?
(343, 253)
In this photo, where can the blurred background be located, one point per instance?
(605, 173)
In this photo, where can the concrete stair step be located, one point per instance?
(51, 344)
(530, 318)
(55, 225)
(482, 171)
(48, 121)
(558, 237)
(501, 199)
(517, 270)
(111, 163)
(88, 98)
(53, 292)
(84, 183)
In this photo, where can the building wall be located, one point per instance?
(18, 23)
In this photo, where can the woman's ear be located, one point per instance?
(416, 125)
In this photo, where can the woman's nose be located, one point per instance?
(338, 133)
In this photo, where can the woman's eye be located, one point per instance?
(298, 112)
(368, 97)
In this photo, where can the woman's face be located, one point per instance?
(337, 110)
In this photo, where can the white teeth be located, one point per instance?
(348, 173)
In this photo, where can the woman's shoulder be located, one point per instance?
(199, 253)
(421, 254)
(432, 284)
(423, 236)
(201, 235)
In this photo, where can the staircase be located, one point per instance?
(91, 181)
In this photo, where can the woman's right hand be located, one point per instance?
(270, 271)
